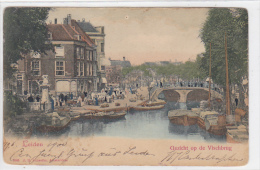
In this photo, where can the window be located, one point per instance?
(87, 54)
(82, 53)
(102, 47)
(80, 68)
(103, 67)
(36, 68)
(90, 55)
(59, 52)
(49, 35)
(90, 69)
(78, 53)
(60, 67)
(87, 69)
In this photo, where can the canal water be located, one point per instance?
(136, 124)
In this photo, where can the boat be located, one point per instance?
(53, 122)
(115, 115)
(183, 117)
(155, 103)
(144, 108)
(212, 122)
(74, 115)
(237, 134)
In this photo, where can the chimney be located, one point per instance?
(83, 19)
(123, 58)
(65, 21)
(55, 21)
(69, 19)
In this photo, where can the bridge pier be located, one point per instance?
(183, 95)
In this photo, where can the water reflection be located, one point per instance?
(136, 124)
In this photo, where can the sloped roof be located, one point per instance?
(79, 30)
(66, 32)
(87, 27)
(59, 33)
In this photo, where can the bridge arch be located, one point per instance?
(197, 95)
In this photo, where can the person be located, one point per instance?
(52, 103)
(83, 96)
(61, 97)
(38, 98)
(236, 100)
(66, 98)
(30, 98)
(96, 101)
(71, 96)
(79, 101)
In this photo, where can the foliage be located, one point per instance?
(24, 30)
(233, 22)
(187, 70)
(13, 105)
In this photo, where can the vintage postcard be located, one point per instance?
(125, 86)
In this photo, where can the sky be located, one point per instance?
(144, 34)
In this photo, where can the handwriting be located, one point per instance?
(186, 155)
(7, 145)
(132, 152)
(49, 154)
(55, 144)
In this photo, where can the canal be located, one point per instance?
(136, 124)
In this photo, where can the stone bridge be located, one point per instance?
(185, 94)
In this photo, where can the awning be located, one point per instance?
(103, 80)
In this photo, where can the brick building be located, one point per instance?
(97, 34)
(71, 67)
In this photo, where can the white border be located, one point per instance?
(254, 64)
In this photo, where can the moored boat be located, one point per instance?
(183, 117)
(53, 122)
(116, 115)
(213, 122)
(144, 108)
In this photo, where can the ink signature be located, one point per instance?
(188, 155)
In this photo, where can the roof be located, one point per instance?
(65, 32)
(87, 27)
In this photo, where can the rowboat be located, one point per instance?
(144, 108)
(183, 117)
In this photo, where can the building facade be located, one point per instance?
(97, 34)
(71, 67)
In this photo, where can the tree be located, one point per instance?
(233, 22)
(24, 31)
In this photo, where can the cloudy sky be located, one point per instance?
(144, 34)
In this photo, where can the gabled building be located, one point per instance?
(97, 34)
(71, 67)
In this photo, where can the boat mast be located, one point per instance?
(227, 81)
(209, 72)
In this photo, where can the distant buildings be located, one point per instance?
(162, 63)
(123, 63)
(71, 68)
(114, 72)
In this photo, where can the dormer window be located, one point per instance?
(35, 54)
(77, 37)
(49, 36)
